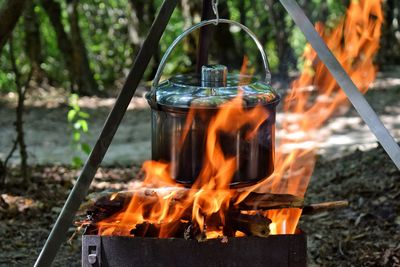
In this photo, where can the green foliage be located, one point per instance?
(77, 119)
(53, 61)
(179, 60)
(104, 28)
(7, 76)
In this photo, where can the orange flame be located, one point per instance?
(313, 99)
(315, 96)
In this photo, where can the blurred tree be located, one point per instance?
(243, 20)
(225, 48)
(390, 42)
(86, 85)
(72, 47)
(97, 39)
(281, 33)
(141, 17)
(190, 9)
(22, 88)
(33, 44)
(10, 12)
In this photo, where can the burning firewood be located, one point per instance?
(243, 216)
(146, 230)
(111, 203)
(268, 201)
(249, 224)
(180, 229)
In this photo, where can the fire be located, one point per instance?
(313, 99)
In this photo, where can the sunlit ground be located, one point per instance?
(48, 137)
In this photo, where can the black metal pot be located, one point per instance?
(184, 145)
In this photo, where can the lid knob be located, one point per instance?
(213, 75)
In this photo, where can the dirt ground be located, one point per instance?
(367, 233)
(48, 134)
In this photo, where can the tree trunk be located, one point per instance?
(151, 11)
(225, 47)
(142, 15)
(72, 48)
(19, 122)
(390, 43)
(19, 125)
(33, 42)
(53, 10)
(191, 9)
(86, 85)
(3, 173)
(10, 12)
(281, 34)
(243, 36)
(136, 23)
(205, 34)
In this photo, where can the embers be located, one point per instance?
(240, 238)
(249, 215)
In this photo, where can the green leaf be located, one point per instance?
(76, 136)
(77, 125)
(73, 101)
(85, 148)
(77, 162)
(84, 115)
(71, 115)
(84, 126)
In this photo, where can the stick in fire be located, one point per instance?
(244, 217)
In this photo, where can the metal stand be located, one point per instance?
(150, 45)
(79, 192)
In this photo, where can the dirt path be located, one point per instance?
(48, 134)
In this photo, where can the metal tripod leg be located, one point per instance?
(353, 94)
(79, 191)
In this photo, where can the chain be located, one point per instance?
(215, 9)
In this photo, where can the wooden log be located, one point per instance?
(146, 230)
(179, 229)
(325, 206)
(111, 203)
(268, 201)
(249, 224)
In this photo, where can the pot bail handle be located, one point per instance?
(203, 23)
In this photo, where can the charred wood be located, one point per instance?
(10, 12)
(249, 224)
(111, 203)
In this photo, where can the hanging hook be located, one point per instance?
(215, 9)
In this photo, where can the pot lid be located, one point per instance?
(212, 88)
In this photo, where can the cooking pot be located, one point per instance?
(182, 143)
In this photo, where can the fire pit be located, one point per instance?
(278, 250)
(200, 203)
(190, 246)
